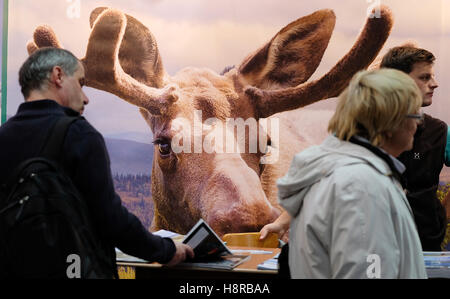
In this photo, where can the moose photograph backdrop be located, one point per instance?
(213, 35)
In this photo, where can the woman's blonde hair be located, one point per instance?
(374, 103)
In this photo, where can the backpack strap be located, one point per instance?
(53, 146)
(51, 151)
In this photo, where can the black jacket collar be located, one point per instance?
(44, 107)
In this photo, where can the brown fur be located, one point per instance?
(292, 55)
(232, 192)
(365, 50)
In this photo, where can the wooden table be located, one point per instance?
(246, 270)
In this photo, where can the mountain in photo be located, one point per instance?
(129, 157)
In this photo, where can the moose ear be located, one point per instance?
(43, 36)
(293, 54)
(138, 55)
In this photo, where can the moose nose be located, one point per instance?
(235, 202)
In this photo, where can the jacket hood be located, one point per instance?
(309, 167)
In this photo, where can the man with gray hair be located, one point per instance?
(42, 77)
(51, 80)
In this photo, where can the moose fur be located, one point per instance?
(233, 192)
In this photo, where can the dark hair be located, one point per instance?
(36, 70)
(403, 58)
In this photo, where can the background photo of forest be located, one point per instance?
(136, 195)
(131, 158)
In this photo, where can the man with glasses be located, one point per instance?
(431, 148)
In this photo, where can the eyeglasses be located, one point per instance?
(419, 117)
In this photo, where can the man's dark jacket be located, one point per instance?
(423, 166)
(86, 160)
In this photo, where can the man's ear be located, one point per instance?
(56, 76)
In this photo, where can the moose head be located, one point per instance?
(234, 191)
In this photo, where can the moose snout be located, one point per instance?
(236, 203)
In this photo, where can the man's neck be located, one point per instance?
(37, 95)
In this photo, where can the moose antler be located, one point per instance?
(292, 55)
(104, 68)
(364, 51)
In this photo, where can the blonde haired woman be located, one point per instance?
(349, 214)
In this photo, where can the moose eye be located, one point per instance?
(164, 147)
(266, 152)
(267, 147)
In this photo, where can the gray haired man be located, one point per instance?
(52, 80)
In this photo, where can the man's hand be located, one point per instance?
(181, 253)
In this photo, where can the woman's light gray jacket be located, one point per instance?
(350, 217)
